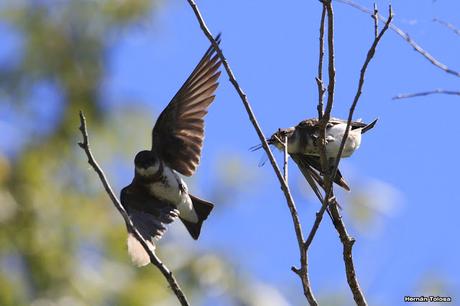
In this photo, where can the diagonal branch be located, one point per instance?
(407, 38)
(284, 186)
(426, 93)
(448, 25)
(153, 258)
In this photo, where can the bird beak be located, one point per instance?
(259, 146)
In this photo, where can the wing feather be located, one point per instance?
(149, 215)
(178, 134)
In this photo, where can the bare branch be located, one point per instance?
(284, 186)
(331, 61)
(407, 38)
(328, 182)
(426, 93)
(318, 219)
(319, 78)
(327, 6)
(329, 200)
(448, 25)
(286, 158)
(347, 241)
(153, 258)
(375, 16)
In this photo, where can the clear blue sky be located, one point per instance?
(272, 49)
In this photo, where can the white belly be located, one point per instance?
(335, 136)
(171, 191)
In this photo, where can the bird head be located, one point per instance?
(277, 139)
(146, 163)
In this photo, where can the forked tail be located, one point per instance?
(202, 209)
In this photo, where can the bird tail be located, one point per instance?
(202, 209)
(369, 126)
(339, 180)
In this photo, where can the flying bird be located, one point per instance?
(157, 194)
(304, 147)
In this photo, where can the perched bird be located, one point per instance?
(157, 194)
(304, 148)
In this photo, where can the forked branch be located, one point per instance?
(406, 37)
(284, 186)
(448, 25)
(426, 93)
(329, 199)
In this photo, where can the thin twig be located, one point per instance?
(284, 186)
(348, 243)
(319, 78)
(153, 258)
(406, 37)
(448, 25)
(327, 6)
(331, 60)
(375, 16)
(318, 219)
(286, 159)
(327, 9)
(426, 93)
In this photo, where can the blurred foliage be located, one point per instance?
(61, 242)
(370, 204)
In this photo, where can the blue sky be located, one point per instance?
(273, 49)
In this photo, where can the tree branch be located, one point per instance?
(329, 200)
(406, 37)
(375, 16)
(331, 60)
(284, 186)
(319, 78)
(426, 93)
(448, 25)
(327, 7)
(286, 159)
(153, 258)
(348, 243)
(325, 202)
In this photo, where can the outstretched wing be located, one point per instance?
(179, 131)
(149, 215)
